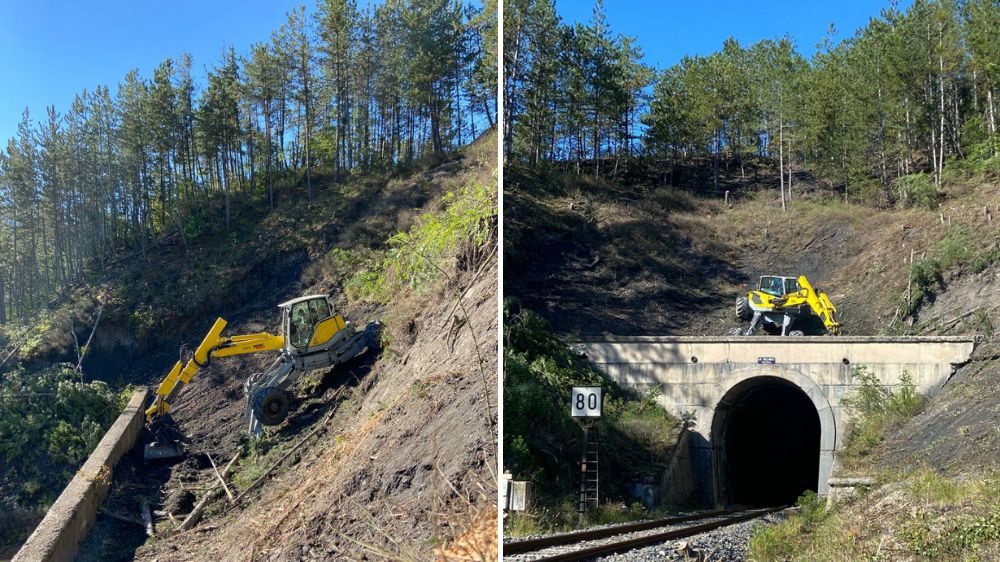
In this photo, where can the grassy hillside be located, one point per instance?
(396, 247)
(600, 257)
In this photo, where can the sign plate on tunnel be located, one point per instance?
(765, 360)
(586, 401)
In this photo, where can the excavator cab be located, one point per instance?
(308, 322)
(778, 286)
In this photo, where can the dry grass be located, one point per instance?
(476, 537)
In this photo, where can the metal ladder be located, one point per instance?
(589, 479)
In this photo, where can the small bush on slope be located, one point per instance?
(916, 190)
(874, 410)
(415, 258)
(779, 541)
(543, 444)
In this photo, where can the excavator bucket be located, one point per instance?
(165, 442)
(162, 450)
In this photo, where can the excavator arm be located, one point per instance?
(817, 301)
(214, 345)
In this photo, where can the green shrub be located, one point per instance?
(49, 423)
(984, 157)
(415, 258)
(916, 190)
(874, 410)
(955, 249)
(985, 259)
(781, 540)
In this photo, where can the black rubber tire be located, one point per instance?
(796, 333)
(373, 342)
(743, 311)
(270, 405)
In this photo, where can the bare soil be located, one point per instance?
(405, 462)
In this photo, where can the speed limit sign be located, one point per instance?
(586, 401)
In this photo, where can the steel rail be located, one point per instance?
(532, 545)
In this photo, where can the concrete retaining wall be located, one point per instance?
(58, 536)
(677, 481)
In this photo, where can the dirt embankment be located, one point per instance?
(405, 463)
(402, 458)
(595, 257)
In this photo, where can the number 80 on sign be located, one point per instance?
(586, 401)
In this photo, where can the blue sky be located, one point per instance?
(669, 29)
(50, 50)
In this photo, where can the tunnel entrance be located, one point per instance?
(765, 441)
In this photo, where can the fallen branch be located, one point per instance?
(86, 346)
(195, 515)
(229, 494)
(297, 446)
(147, 518)
(950, 322)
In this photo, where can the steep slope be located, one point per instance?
(597, 257)
(405, 460)
(387, 417)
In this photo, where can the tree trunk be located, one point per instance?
(993, 124)
(781, 158)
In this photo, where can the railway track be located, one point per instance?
(589, 544)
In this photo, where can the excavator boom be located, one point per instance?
(214, 345)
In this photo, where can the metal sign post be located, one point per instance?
(585, 406)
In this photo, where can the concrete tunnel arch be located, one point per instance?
(773, 436)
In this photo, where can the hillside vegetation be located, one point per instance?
(398, 247)
(543, 445)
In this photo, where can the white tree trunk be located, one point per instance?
(781, 158)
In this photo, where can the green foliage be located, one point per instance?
(781, 540)
(985, 259)
(954, 537)
(49, 423)
(336, 266)
(542, 443)
(256, 457)
(195, 226)
(875, 410)
(916, 190)
(415, 259)
(955, 249)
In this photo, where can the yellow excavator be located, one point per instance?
(780, 302)
(313, 337)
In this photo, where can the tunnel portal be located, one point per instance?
(766, 443)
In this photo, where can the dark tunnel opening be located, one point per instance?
(766, 435)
